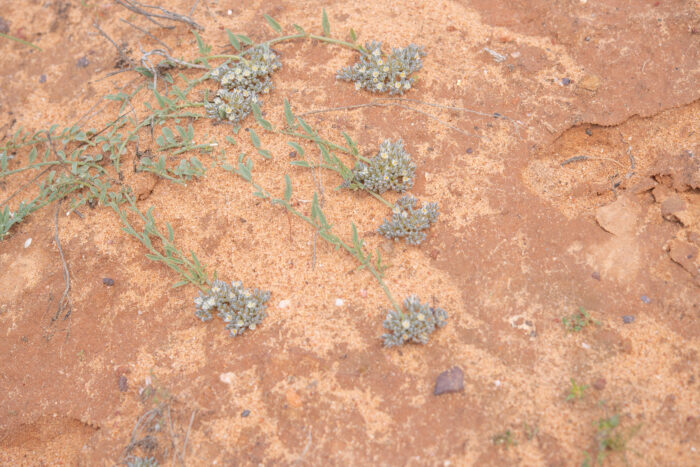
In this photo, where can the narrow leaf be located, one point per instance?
(273, 24)
(245, 39)
(353, 36)
(299, 28)
(325, 24)
(265, 153)
(233, 40)
(301, 164)
(287, 188)
(288, 115)
(180, 284)
(297, 148)
(254, 138)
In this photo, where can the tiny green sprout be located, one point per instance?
(576, 391)
(578, 320)
(504, 439)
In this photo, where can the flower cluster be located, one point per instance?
(409, 221)
(415, 323)
(390, 169)
(233, 105)
(240, 308)
(242, 83)
(377, 72)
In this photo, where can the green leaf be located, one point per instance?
(306, 127)
(301, 164)
(144, 71)
(230, 140)
(160, 99)
(299, 28)
(297, 148)
(171, 234)
(169, 136)
(259, 118)
(245, 39)
(325, 154)
(180, 284)
(325, 24)
(351, 144)
(243, 171)
(254, 138)
(356, 239)
(32, 155)
(287, 188)
(204, 49)
(233, 40)
(288, 115)
(273, 24)
(265, 153)
(353, 36)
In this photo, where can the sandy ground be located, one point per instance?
(522, 241)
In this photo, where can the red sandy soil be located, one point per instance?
(521, 241)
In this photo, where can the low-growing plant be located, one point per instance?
(576, 391)
(578, 320)
(610, 438)
(505, 439)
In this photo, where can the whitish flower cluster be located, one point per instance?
(142, 462)
(409, 221)
(242, 83)
(415, 323)
(390, 169)
(377, 72)
(233, 105)
(240, 308)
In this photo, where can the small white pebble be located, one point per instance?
(339, 302)
(27, 242)
(497, 383)
(585, 346)
(284, 304)
(227, 377)
(140, 312)
(229, 12)
(515, 54)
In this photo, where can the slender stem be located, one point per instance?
(33, 166)
(17, 39)
(330, 40)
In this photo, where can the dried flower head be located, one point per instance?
(409, 221)
(414, 324)
(240, 308)
(376, 72)
(390, 169)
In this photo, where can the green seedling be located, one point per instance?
(578, 320)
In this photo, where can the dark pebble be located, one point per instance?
(82, 62)
(565, 81)
(596, 275)
(4, 26)
(645, 299)
(496, 115)
(42, 78)
(109, 282)
(470, 150)
(627, 319)
(599, 384)
(123, 384)
(589, 132)
(449, 381)
(430, 149)
(245, 413)
(293, 154)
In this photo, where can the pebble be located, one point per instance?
(292, 154)
(449, 381)
(245, 413)
(470, 150)
(585, 346)
(108, 281)
(284, 304)
(339, 302)
(4, 26)
(565, 81)
(227, 378)
(589, 132)
(42, 79)
(645, 299)
(627, 319)
(123, 384)
(599, 384)
(27, 242)
(596, 275)
(82, 62)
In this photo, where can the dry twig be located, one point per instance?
(141, 9)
